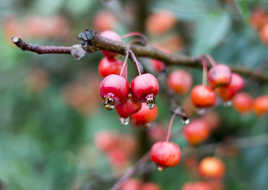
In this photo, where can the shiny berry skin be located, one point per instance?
(236, 84)
(114, 89)
(144, 115)
(260, 105)
(144, 88)
(197, 186)
(212, 167)
(196, 131)
(127, 108)
(109, 66)
(180, 81)
(242, 102)
(131, 184)
(165, 154)
(150, 186)
(157, 66)
(203, 96)
(219, 75)
(111, 36)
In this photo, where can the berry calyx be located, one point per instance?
(144, 115)
(196, 131)
(203, 96)
(212, 167)
(236, 84)
(260, 105)
(127, 108)
(109, 66)
(114, 89)
(144, 88)
(165, 154)
(219, 75)
(242, 102)
(180, 81)
(112, 36)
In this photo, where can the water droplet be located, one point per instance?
(160, 168)
(150, 101)
(185, 120)
(124, 121)
(108, 103)
(227, 103)
(201, 111)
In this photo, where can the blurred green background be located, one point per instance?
(50, 108)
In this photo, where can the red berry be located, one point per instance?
(165, 154)
(213, 119)
(104, 20)
(242, 102)
(260, 105)
(197, 186)
(196, 131)
(150, 186)
(144, 88)
(236, 84)
(131, 184)
(118, 158)
(105, 141)
(157, 133)
(127, 108)
(144, 115)
(114, 90)
(219, 75)
(180, 81)
(109, 66)
(212, 167)
(157, 66)
(111, 36)
(203, 96)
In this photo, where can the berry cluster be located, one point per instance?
(136, 184)
(135, 100)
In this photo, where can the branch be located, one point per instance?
(97, 42)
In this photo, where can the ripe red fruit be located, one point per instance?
(144, 88)
(197, 186)
(150, 186)
(114, 90)
(157, 66)
(112, 36)
(219, 75)
(105, 141)
(212, 167)
(109, 66)
(213, 119)
(165, 154)
(242, 102)
(131, 184)
(196, 131)
(180, 81)
(104, 20)
(127, 108)
(203, 96)
(118, 158)
(258, 19)
(260, 105)
(236, 84)
(144, 115)
(160, 22)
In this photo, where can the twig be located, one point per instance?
(99, 42)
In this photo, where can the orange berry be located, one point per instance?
(144, 115)
(203, 96)
(180, 81)
(242, 102)
(212, 167)
(260, 105)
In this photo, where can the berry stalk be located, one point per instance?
(170, 126)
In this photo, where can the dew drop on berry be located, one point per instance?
(109, 103)
(160, 168)
(150, 101)
(185, 120)
(124, 121)
(227, 104)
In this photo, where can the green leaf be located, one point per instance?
(243, 7)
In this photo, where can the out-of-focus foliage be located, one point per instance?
(50, 109)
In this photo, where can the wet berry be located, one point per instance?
(144, 115)
(165, 154)
(180, 81)
(109, 66)
(242, 102)
(127, 108)
(219, 75)
(196, 131)
(144, 88)
(114, 90)
(203, 96)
